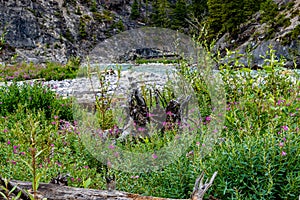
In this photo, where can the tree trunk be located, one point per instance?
(59, 192)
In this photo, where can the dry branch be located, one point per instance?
(58, 192)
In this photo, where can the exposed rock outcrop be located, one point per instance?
(255, 37)
(55, 30)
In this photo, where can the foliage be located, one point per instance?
(269, 11)
(135, 13)
(158, 60)
(225, 16)
(52, 71)
(256, 154)
(2, 40)
(179, 15)
(33, 97)
(160, 13)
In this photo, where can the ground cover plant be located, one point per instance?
(257, 154)
(49, 71)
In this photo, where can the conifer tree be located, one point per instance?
(199, 9)
(179, 15)
(160, 15)
(135, 13)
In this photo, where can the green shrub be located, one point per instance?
(33, 97)
(56, 71)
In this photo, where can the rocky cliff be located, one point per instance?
(55, 30)
(43, 30)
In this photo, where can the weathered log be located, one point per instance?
(58, 192)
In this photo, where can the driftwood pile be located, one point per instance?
(52, 191)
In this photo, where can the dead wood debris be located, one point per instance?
(59, 192)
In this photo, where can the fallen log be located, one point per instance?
(51, 191)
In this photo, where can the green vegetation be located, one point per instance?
(135, 13)
(83, 26)
(156, 60)
(2, 40)
(269, 11)
(52, 71)
(256, 155)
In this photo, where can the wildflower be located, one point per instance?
(169, 113)
(198, 143)
(283, 153)
(208, 118)
(5, 131)
(72, 179)
(111, 146)
(53, 123)
(8, 142)
(52, 145)
(109, 164)
(13, 162)
(15, 149)
(284, 139)
(189, 154)
(86, 167)
(279, 102)
(150, 115)
(75, 123)
(116, 154)
(55, 117)
(22, 153)
(135, 177)
(154, 156)
(141, 129)
(286, 128)
(292, 114)
(281, 144)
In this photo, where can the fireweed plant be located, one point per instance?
(257, 155)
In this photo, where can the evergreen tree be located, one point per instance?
(160, 15)
(269, 10)
(135, 12)
(227, 15)
(216, 15)
(199, 9)
(179, 15)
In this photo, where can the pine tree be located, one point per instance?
(135, 13)
(216, 15)
(199, 9)
(160, 15)
(179, 15)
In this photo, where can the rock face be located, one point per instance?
(55, 30)
(256, 38)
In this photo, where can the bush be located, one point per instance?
(52, 71)
(33, 97)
